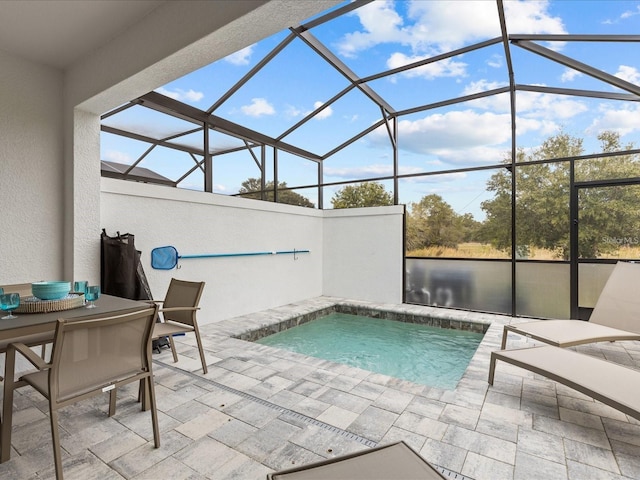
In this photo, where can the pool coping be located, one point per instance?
(243, 328)
(428, 319)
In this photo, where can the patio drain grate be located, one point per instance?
(300, 416)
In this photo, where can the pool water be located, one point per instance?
(422, 354)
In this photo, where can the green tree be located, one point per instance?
(543, 194)
(432, 222)
(470, 228)
(608, 216)
(251, 189)
(542, 198)
(496, 229)
(367, 194)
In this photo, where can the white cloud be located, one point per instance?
(482, 86)
(258, 107)
(495, 61)
(380, 23)
(524, 16)
(623, 16)
(535, 111)
(292, 111)
(630, 13)
(500, 103)
(624, 120)
(454, 137)
(442, 25)
(326, 113)
(630, 74)
(368, 171)
(118, 157)
(439, 180)
(446, 25)
(447, 67)
(569, 75)
(241, 57)
(542, 126)
(182, 95)
(540, 105)
(469, 137)
(438, 26)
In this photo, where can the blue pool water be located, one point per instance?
(422, 354)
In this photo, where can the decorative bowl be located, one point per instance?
(50, 290)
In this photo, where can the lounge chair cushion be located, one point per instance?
(568, 333)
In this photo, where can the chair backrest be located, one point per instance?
(24, 289)
(619, 303)
(95, 351)
(182, 293)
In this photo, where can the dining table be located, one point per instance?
(40, 325)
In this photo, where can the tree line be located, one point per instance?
(608, 217)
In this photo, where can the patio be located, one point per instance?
(261, 409)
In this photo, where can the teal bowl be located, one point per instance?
(50, 290)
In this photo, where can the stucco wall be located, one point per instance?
(354, 253)
(31, 174)
(201, 223)
(364, 253)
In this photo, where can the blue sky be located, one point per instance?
(387, 34)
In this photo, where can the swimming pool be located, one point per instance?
(412, 351)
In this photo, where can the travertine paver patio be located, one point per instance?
(261, 409)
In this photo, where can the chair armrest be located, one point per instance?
(30, 355)
(178, 309)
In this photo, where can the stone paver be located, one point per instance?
(530, 467)
(479, 466)
(602, 458)
(541, 444)
(261, 409)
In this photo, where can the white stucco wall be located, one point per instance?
(201, 223)
(364, 253)
(31, 175)
(354, 253)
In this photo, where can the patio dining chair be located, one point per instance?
(91, 355)
(178, 314)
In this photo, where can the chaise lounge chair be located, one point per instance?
(394, 461)
(611, 383)
(615, 316)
